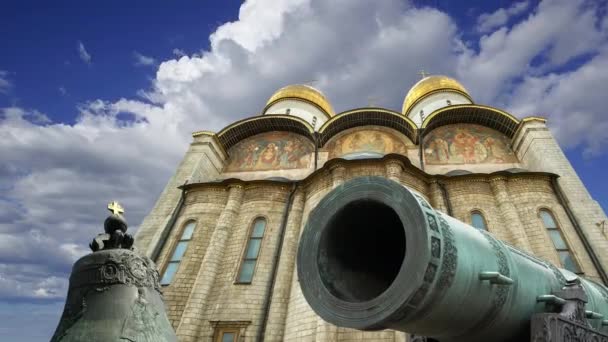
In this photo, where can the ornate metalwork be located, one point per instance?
(114, 293)
(500, 292)
(449, 261)
(115, 228)
(552, 327)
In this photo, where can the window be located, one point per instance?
(287, 111)
(228, 335)
(565, 256)
(251, 251)
(314, 121)
(422, 115)
(178, 253)
(448, 102)
(229, 331)
(478, 221)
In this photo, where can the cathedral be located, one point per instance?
(225, 230)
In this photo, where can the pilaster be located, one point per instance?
(436, 196)
(338, 174)
(326, 332)
(509, 213)
(394, 169)
(191, 322)
(282, 290)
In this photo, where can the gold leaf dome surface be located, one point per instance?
(432, 84)
(302, 92)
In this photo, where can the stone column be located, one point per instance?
(328, 332)
(436, 197)
(191, 321)
(282, 289)
(394, 168)
(338, 174)
(509, 214)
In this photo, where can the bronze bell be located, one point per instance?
(114, 293)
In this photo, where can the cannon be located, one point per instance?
(375, 255)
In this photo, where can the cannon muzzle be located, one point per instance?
(375, 255)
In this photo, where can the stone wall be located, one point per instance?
(290, 317)
(204, 290)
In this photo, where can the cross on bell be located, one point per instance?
(115, 208)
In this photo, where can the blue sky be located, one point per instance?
(98, 100)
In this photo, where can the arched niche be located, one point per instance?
(365, 117)
(367, 142)
(275, 150)
(467, 144)
(240, 130)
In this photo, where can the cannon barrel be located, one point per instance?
(375, 255)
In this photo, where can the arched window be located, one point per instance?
(478, 221)
(448, 102)
(252, 250)
(565, 255)
(178, 253)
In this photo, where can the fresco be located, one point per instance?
(371, 140)
(271, 151)
(467, 144)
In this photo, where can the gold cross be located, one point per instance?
(115, 208)
(423, 73)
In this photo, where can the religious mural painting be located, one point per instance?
(467, 144)
(270, 151)
(375, 140)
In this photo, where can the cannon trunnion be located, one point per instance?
(375, 255)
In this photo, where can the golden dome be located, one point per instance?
(431, 84)
(301, 92)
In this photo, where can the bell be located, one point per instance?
(114, 294)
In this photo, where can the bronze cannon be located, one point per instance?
(375, 255)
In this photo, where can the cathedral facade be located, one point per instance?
(225, 230)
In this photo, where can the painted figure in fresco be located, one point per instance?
(365, 140)
(270, 151)
(497, 150)
(468, 144)
(468, 147)
(376, 143)
(250, 157)
(268, 157)
(291, 154)
(440, 150)
(355, 143)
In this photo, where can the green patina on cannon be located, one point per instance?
(375, 255)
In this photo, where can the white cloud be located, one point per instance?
(489, 21)
(179, 52)
(63, 91)
(141, 60)
(82, 52)
(5, 83)
(57, 178)
(535, 45)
